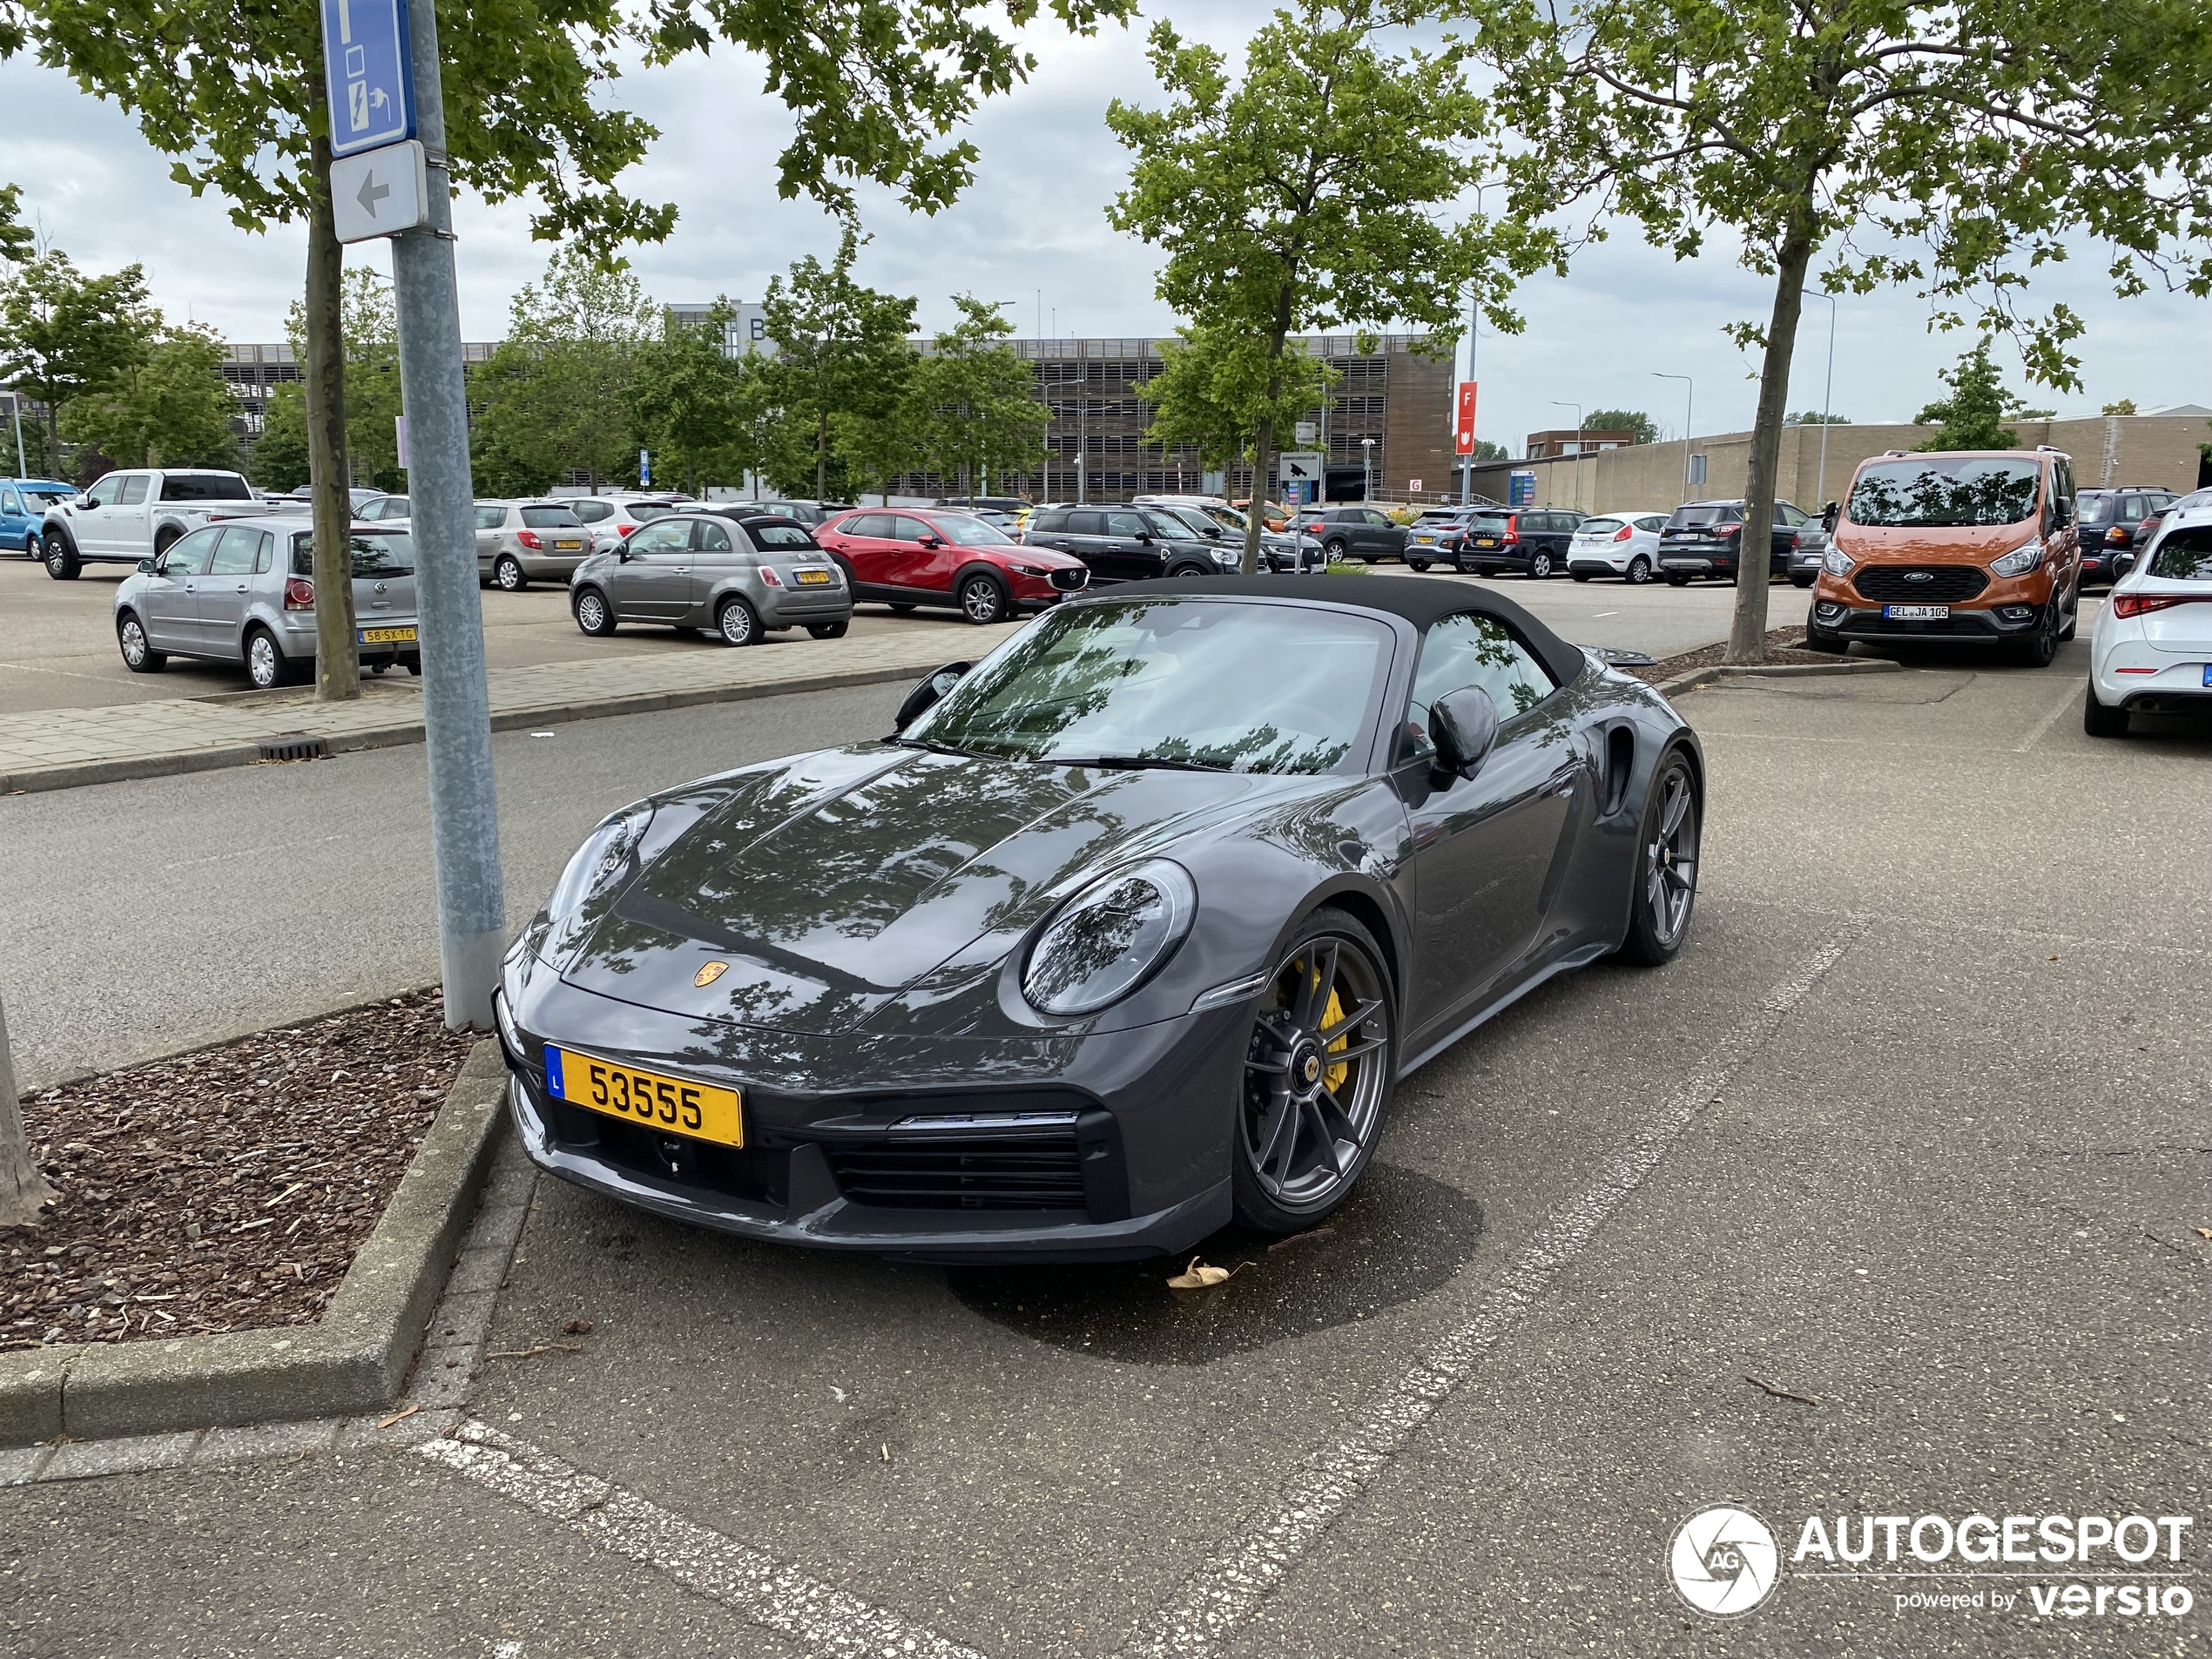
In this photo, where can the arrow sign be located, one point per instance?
(380, 193)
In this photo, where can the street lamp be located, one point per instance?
(1827, 405)
(1474, 317)
(1577, 407)
(1689, 403)
(1366, 469)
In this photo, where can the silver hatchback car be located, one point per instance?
(741, 572)
(519, 542)
(243, 591)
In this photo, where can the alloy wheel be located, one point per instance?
(590, 613)
(1670, 857)
(509, 576)
(1540, 566)
(736, 623)
(981, 601)
(1639, 571)
(1315, 1074)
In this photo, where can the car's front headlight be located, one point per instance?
(1110, 938)
(2020, 560)
(1229, 556)
(1835, 562)
(1028, 569)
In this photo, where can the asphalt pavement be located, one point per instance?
(57, 650)
(1883, 1199)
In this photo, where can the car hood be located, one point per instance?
(1959, 544)
(831, 882)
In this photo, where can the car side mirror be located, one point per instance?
(928, 691)
(931, 540)
(1464, 726)
(2123, 564)
(1828, 515)
(146, 567)
(2061, 513)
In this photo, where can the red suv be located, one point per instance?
(907, 556)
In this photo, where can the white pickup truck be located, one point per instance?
(134, 514)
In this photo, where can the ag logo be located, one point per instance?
(1724, 1560)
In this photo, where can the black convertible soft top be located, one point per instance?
(1422, 604)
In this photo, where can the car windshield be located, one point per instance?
(551, 518)
(204, 486)
(50, 497)
(971, 532)
(2186, 554)
(381, 553)
(1691, 518)
(1597, 526)
(1936, 491)
(1172, 682)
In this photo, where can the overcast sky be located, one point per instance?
(1033, 225)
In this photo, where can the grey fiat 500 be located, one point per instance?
(244, 592)
(740, 573)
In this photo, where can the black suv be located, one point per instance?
(2109, 522)
(1702, 537)
(1532, 540)
(1129, 544)
(1352, 532)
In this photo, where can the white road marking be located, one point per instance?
(1227, 1589)
(822, 1617)
(1602, 615)
(2071, 700)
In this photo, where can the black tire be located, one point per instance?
(1419, 564)
(138, 656)
(1580, 575)
(1800, 581)
(1190, 569)
(737, 622)
(593, 612)
(1334, 549)
(2101, 721)
(1331, 1112)
(2039, 647)
(1676, 579)
(265, 664)
(1464, 567)
(164, 538)
(902, 610)
(1821, 639)
(827, 630)
(61, 560)
(508, 575)
(1639, 571)
(1664, 893)
(1540, 565)
(414, 666)
(984, 600)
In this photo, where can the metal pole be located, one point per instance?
(1690, 405)
(1827, 408)
(23, 467)
(457, 707)
(1082, 414)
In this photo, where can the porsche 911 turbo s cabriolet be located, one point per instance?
(1129, 929)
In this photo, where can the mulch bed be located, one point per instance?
(223, 1190)
(1783, 645)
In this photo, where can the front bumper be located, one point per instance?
(1976, 625)
(858, 1143)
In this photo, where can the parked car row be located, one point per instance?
(2152, 650)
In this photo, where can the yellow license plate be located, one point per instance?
(388, 636)
(813, 578)
(567, 544)
(673, 1105)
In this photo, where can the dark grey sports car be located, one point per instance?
(1131, 929)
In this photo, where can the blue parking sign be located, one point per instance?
(369, 71)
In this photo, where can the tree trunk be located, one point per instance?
(338, 675)
(1755, 547)
(821, 455)
(24, 1187)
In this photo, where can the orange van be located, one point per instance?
(1958, 547)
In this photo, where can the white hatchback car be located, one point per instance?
(1622, 544)
(2151, 651)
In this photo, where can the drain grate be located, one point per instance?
(293, 745)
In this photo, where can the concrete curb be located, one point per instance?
(77, 775)
(1697, 676)
(354, 1360)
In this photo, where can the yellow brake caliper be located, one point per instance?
(1333, 1078)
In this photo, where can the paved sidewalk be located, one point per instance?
(65, 748)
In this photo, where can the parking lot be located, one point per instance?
(1887, 1197)
(58, 651)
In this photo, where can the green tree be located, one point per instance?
(2125, 406)
(63, 333)
(1213, 391)
(172, 407)
(1486, 450)
(1646, 429)
(368, 327)
(1309, 194)
(975, 401)
(557, 389)
(1973, 416)
(1814, 417)
(687, 400)
(842, 358)
(279, 463)
(1943, 146)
